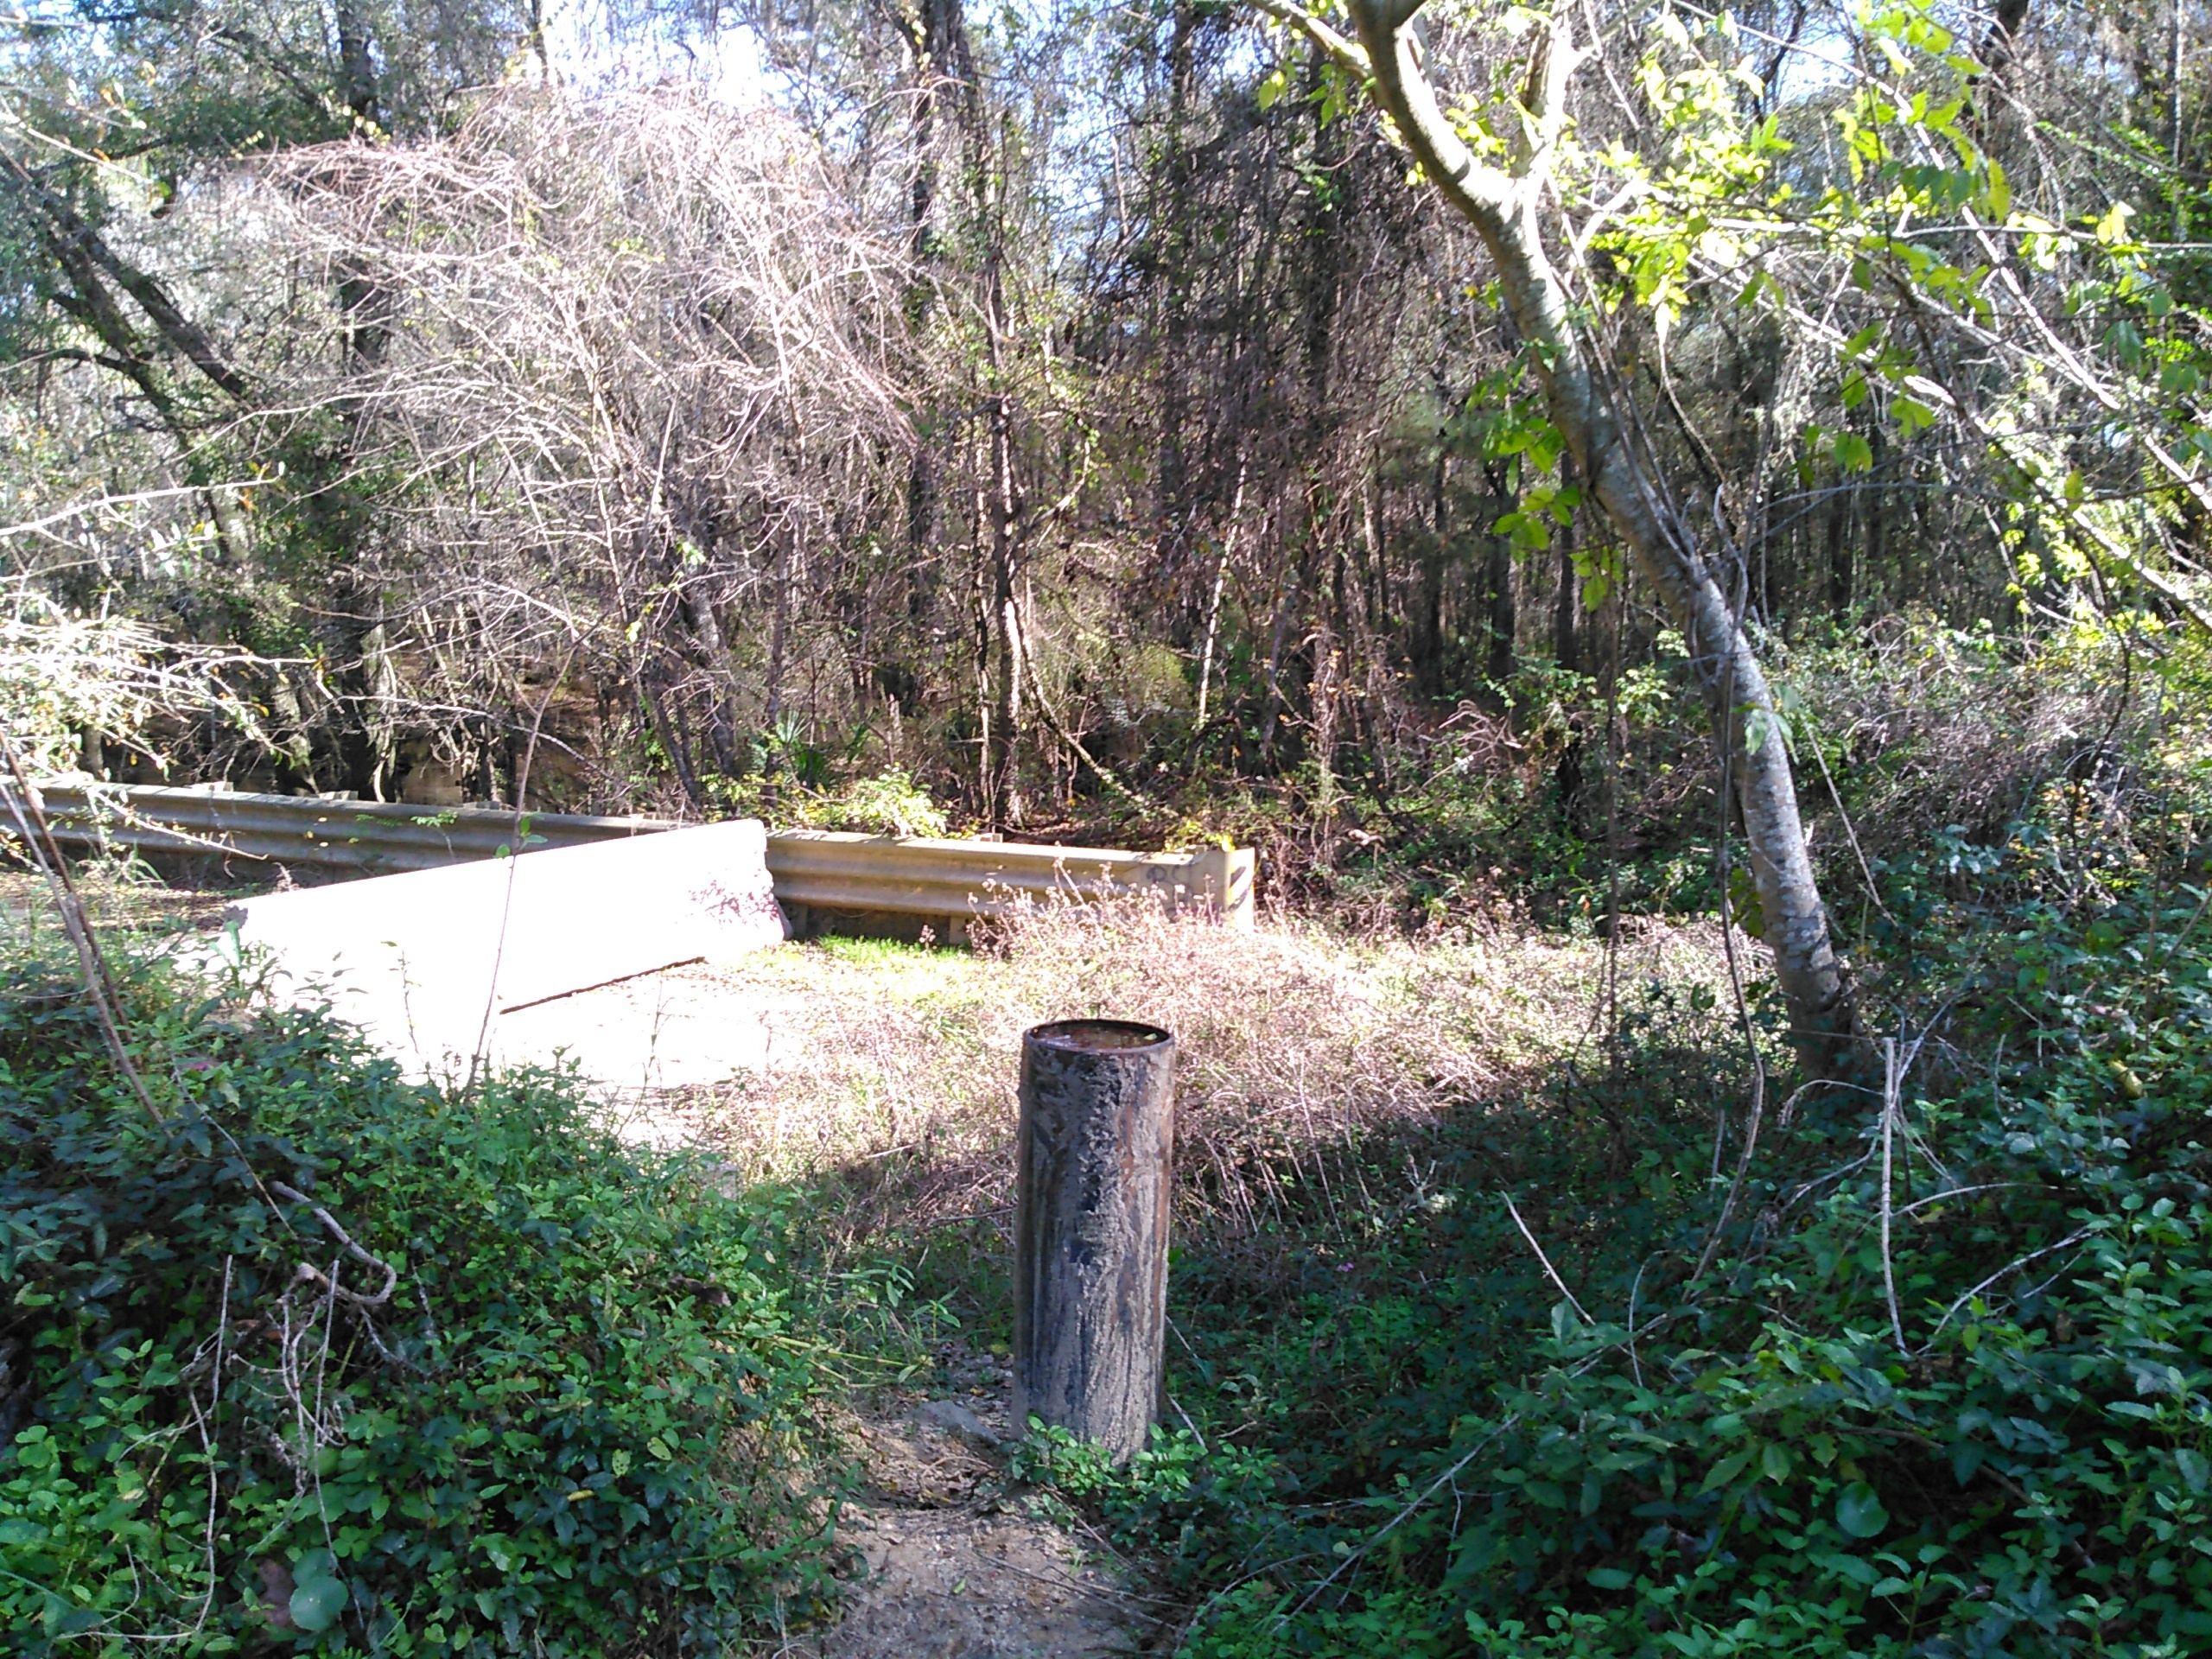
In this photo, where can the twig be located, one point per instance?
(1550, 1272)
(99, 984)
(476, 1058)
(1104, 774)
(1635, 1364)
(1889, 1128)
(1756, 1115)
(205, 1423)
(2013, 1266)
(1406, 1514)
(1959, 1192)
(1850, 833)
(309, 1271)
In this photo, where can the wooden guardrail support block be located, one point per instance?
(1093, 1179)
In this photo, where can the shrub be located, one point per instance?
(1945, 1384)
(324, 1357)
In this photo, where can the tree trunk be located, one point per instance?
(1004, 801)
(1173, 493)
(779, 628)
(1002, 796)
(1425, 629)
(1213, 602)
(1503, 624)
(937, 34)
(1839, 557)
(1505, 208)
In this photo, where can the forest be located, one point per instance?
(1681, 536)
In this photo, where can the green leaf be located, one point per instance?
(1611, 1578)
(1852, 452)
(1859, 1510)
(1911, 414)
(1759, 725)
(1726, 1471)
(316, 1604)
(1997, 193)
(2193, 1468)
(1848, 1567)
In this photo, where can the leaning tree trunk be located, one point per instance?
(1505, 207)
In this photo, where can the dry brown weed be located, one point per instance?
(898, 1076)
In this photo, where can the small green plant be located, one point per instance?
(886, 803)
(1185, 1504)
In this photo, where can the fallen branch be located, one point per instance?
(308, 1271)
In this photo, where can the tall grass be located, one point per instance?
(895, 1084)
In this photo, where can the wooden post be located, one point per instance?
(1092, 1184)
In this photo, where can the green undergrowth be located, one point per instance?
(517, 1389)
(1935, 1379)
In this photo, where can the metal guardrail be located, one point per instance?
(956, 881)
(823, 878)
(374, 837)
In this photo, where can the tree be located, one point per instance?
(114, 118)
(1509, 207)
(614, 451)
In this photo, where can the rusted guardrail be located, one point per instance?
(824, 880)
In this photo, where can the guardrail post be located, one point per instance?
(1092, 1183)
(1221, 879)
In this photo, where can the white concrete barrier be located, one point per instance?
(427, 962)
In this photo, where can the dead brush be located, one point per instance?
(1934, 730)
(897, 1082)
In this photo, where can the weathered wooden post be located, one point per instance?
(1096, 1131)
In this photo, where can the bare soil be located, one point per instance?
(952, 1564)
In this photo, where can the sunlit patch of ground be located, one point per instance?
(952, 1561)
(869, 1056)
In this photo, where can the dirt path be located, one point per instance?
(956, 1567)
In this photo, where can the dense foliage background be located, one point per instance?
(1071, 415)
(1072, 421)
